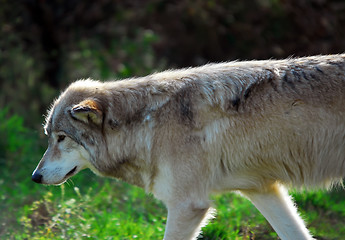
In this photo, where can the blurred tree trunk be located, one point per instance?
(43, 16)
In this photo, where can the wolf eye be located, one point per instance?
(61, 138)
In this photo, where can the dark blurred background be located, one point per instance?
(46, 44)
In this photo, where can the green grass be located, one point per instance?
(113, 209)
(89, 207)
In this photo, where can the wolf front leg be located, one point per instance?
(278, 208)
(185, 219)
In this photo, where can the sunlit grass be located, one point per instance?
(109, 209)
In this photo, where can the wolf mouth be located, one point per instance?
(70, 173)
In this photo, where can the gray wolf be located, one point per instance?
(257, 127)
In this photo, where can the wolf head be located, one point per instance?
(69, 123)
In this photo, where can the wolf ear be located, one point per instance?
(88, 111)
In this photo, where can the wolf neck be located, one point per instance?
(127, 170)
(127, 155)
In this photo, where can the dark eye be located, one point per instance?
(61, 138)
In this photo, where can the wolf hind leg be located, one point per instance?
(278, 208)
(185, 219)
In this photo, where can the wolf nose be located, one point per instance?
(37, 177)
